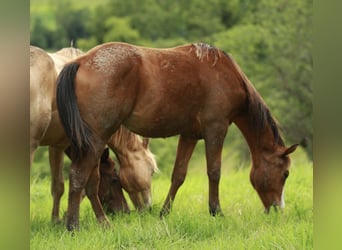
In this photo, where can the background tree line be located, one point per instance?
(270, 39)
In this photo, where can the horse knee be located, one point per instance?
(77, 182)
(178, 179)
(214, 175)
(58, 189)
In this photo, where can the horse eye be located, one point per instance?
(286, 174)
(115, 180)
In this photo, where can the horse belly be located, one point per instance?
(162, 124)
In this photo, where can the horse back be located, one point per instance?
(159, 92)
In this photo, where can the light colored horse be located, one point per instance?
(132, 152)
(40, 104)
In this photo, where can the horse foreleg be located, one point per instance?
(92, 190)
(57, 180)
(184, 151)
(213, 147)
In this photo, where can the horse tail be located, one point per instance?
(75, 127)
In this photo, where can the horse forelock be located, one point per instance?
(132, 141)
(258, 113)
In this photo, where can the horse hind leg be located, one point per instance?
(84, 174)
(92, 190)
(184, 151)
(57, 180)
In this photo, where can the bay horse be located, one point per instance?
(137, 163)
(46, 130)
(193, 90)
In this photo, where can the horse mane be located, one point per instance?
(259, 114)
(203, 50)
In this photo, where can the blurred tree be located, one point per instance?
(273, 46)
(119, 29)
(41, 35)
(71, 24)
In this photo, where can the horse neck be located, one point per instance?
(259, 142)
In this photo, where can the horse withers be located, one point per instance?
(193, 90)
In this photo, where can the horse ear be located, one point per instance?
(105, 154)
(68, 152)
(290, 149)
(146, 142)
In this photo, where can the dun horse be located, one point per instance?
(193, 90)
(45, 129)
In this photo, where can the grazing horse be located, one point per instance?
(131, 151)
(110, 187)
(193, 90)
(137, 163)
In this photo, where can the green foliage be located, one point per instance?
(271, 41)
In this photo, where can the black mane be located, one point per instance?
(259, 113)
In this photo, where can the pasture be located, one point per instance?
(189, 225)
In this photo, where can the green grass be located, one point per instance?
(189, 226)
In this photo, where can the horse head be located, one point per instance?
(110, 189)
(268, 176)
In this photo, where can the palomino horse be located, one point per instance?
(193, 90)
(132, 152)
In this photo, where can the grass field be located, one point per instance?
(189, 226)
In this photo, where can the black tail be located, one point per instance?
(75, 128)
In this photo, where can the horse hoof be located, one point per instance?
(216, 212)
(163, 213)
(104, 222)
(72, 228)
(56, 221)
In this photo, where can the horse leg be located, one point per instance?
(79, 175)
(57, 180)
(92, 190)
(184, 151)
(32, 151)
(214, 140)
